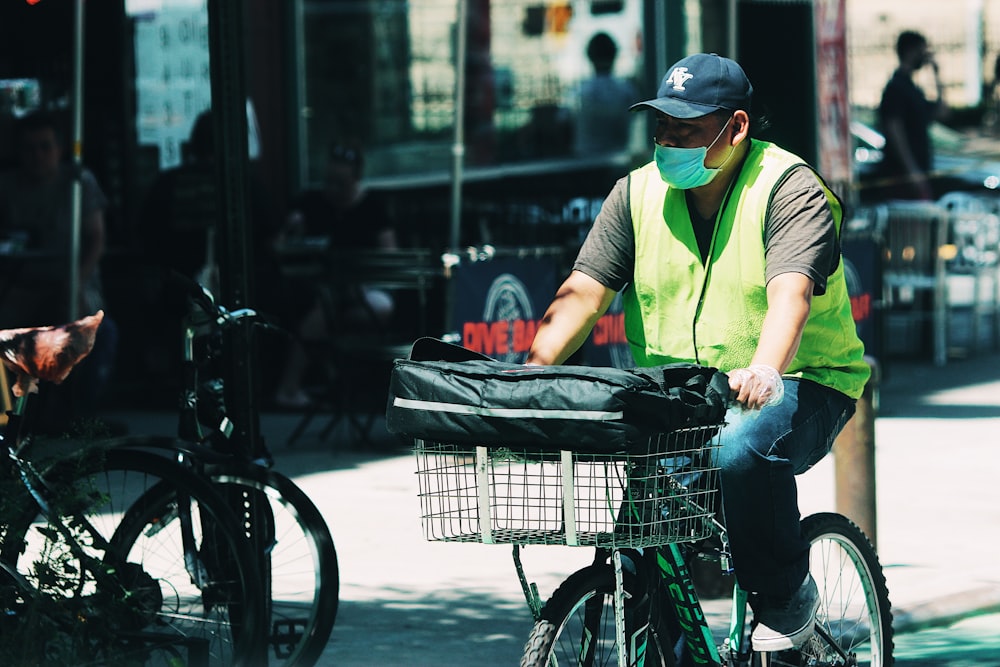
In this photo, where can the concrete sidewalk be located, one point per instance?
(407, 601)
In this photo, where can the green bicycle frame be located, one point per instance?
(678, 583)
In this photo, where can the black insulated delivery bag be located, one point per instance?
(586, 409)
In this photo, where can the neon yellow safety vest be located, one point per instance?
(678, 309)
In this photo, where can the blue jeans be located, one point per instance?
(762, 451)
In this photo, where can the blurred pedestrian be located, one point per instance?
(599, 124)
(905, 117)
(991, 101)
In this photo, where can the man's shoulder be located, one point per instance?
(773, 154)
(899, 86)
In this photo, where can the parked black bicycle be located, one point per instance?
(295, 547)
(90, 573)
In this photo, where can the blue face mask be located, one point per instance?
(684, 168)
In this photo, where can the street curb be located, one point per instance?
(946, 610)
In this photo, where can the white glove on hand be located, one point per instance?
(757, 386)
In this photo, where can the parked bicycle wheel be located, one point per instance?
(305, 581)
(854, 609)
(297, 553)
(161, 601)
(302, 583)
(577, 624)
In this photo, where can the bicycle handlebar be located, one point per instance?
(201, 297)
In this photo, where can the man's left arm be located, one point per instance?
(789, 296)
(801, 250)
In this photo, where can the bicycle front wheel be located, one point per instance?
(854, 618)
(577, 625)
(305, 581)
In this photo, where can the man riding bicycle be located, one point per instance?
(727, 250)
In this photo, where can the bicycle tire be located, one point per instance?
(303, 559)
(155, 612)
(854, 609)
(577, 624)
(292, 513)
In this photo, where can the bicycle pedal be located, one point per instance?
(285, 636)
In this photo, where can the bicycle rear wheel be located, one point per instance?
(305, 580)
(160, 601)
(854, 619)
(577, 625)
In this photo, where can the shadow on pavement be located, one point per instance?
(441, 629)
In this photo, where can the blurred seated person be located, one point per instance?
(351, 217)
(36, 216)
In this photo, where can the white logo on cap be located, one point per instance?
(679, 77)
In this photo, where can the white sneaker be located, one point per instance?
(784, 624)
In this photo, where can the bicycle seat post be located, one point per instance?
(15, 419)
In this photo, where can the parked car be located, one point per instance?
(957, 166)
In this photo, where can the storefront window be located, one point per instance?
(172, 82)
(382, 74)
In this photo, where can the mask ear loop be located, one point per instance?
(732, 149)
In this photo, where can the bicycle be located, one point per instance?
(647, 512)
(73, 590)
(297, 550)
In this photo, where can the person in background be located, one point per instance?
(179, 217)
(727, 250)
(347, 212)
(991, 100)
(351, 217)
(179, 221)
(905, 116)
(600, 126)
(36, 215)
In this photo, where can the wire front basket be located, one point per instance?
(663, 494)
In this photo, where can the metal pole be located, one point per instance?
(854, 460)
(939, 316)
(660, 38)
(77, 190)
(229, 118)
(301, 126)
(458, 145)
(732, 41)
(457, 151)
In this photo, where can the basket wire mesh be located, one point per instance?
(663, 493)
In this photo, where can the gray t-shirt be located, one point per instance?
(800, 235)
(43, 211)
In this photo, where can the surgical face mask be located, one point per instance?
(684, 168)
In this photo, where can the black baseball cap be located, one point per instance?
(700, 84)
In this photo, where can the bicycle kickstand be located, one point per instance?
(530, 590)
